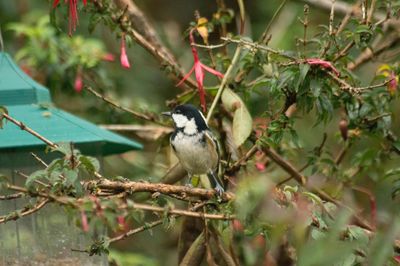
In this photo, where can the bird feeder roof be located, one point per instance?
(30, 103)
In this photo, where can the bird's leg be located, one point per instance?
(215, 183)
(189, 182)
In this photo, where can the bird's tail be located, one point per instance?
(215, 183)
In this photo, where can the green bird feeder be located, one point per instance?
(45, 237)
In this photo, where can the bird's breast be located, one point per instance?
(194, 154)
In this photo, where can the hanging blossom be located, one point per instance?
(78, 84)
(73, 12)
(108, 57)
(84, 221)
(124, 57)
(122, 225)
(198, 68)
(324, 64)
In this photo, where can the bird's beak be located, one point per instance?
(166, 113)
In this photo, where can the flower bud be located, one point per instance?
(343, 127)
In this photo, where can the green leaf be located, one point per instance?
(91, 164)
(35, 176)
(242, 121)
(70, 177)
(195, 253)
(304, 68)
(3, 181)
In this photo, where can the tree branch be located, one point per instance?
(132, 187)
(201, 215)
(145, 35)
(142, 116)
(284, 164)
(25, 212)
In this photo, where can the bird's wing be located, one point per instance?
(212, 141)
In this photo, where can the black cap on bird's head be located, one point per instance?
(186, 112)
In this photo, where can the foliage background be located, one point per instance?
(145, 87)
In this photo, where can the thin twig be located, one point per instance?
(171, 211)
(125, 109)
(331, 18)
(149, 225)
(284, 164)
(12, 196)
(39, 159)
(238, 164)
(257, 46)
(341, 154)
(344, 51)
(36, 180)
(37, 135)
(371, 11)
(22, 126)
(227, 76)
(305, 26)
(317, 152)
(276, 14)
(136, 230)
(25, 212)
(368, 54)
(209, 47)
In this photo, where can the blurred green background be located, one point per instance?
(142, 87)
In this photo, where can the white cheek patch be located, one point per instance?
(180, 120)
(190, 127)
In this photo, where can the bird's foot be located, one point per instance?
(219, 189)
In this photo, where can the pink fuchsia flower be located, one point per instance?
(260, 166)
(108, 57)
(198, 68)
(322, 63)
(393, 83)
(121, 223)
(78, 84)
(124, 57)
(73, 13)
(84, 220)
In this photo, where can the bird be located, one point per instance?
(194, 144)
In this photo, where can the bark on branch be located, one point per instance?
(132, 187)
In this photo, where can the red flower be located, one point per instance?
(199, 73)
(108, 57)
(73, 13)
(85, 224)
(121, 223)
(324, 64)
(124, 57)
(393, 83)
(78, 84)
(260, 166)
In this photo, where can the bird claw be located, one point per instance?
(219, 189)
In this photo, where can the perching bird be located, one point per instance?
(194, 144)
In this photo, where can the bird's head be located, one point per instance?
(188, 119)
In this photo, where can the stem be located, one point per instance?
(224, 81)
(277, 12)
